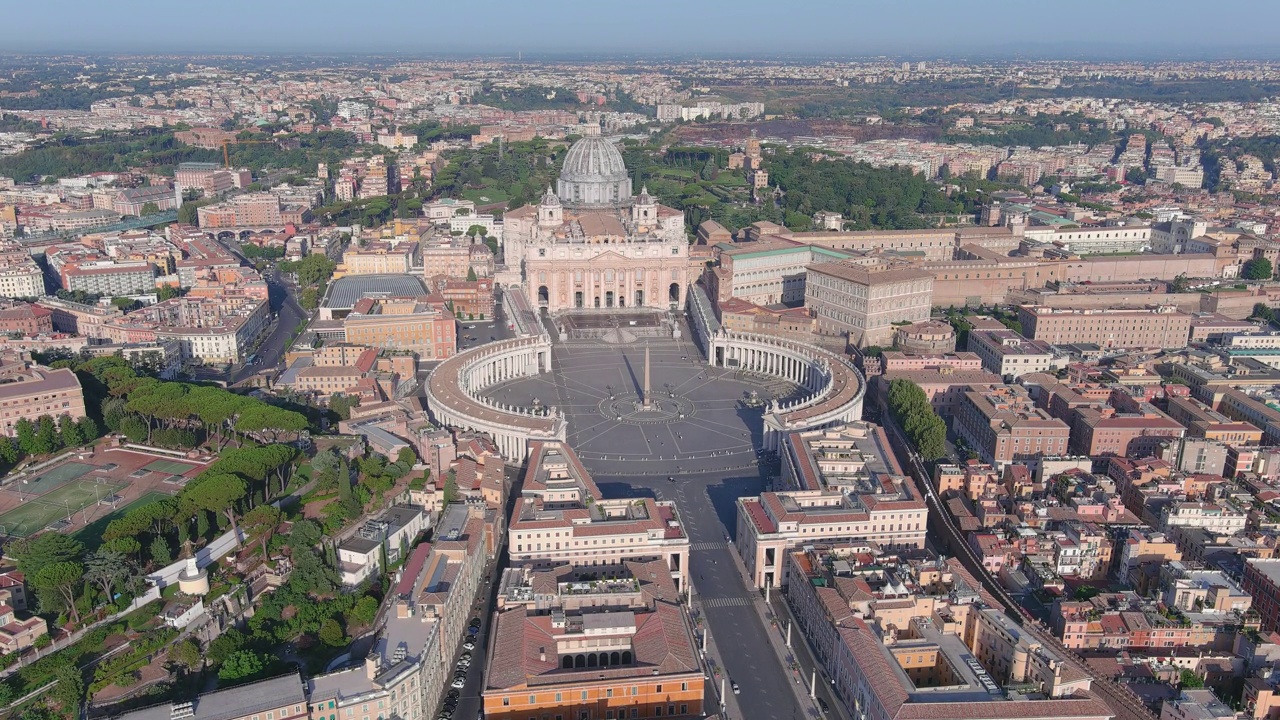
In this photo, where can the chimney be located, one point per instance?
(371, 667)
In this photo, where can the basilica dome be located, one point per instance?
(594, 174)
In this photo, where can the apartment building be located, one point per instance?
(402, 323)
(207, 330)
(867, 302)
(768, 271)
(1004, 426)
(1157, 327)
(562, 518)
(77, 319)
(1103, 431)
(944, 657)
(386, 538)
(24, 318)
(36, 391)
(18, 635)
(20, 277)
(849, 488)
(592, 646)
(110, 279)
(380, 257)
(945, 386)
(470, 299)
(1262, 581)
(248, 210)
(1010, 355)
(407, 670)
(1222, 517)
(448, 258)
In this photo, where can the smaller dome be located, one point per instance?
(549, 198)
(644, 198)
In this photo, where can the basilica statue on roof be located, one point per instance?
(591, 244)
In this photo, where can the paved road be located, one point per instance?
(284, 302)
(706, 503)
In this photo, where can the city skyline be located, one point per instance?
(566, 28)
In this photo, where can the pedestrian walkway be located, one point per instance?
(727, 601)
(708, 546)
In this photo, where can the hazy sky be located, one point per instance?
(920, 28)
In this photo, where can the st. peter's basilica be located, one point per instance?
(592, 244)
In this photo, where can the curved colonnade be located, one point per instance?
(454, 387)
(836, 388)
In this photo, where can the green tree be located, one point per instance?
(150, 209)
(69, 432)
(46, 436)
(69, 691)
(242, 665)
(331, 633)
(185, 654)
(1263, 312)
(25, 431)
(160, 551)
(1188, 679)
(471, 274)
(1257, 269)
(215, 493)
(365, 610)
(56, 584)
(261, 522)
(224, 646)
(304, 534)
(106, 568)
(167, 292)
(9, 451)
(45, 549)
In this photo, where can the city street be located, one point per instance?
(284, 303)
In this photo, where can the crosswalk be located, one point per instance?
(726, 602)
(708, 546)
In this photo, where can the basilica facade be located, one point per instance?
(591, 244)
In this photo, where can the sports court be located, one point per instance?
(51, 479)
(171, 467)
(37, 513)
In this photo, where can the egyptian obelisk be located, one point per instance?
(645, 399)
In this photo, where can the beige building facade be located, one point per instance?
(593, 245)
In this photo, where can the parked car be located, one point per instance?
(458, 682)
(735, 687)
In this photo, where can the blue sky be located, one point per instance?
(917, 28)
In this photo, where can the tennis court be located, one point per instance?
(172, 467)
(55, 478)
(35, 515)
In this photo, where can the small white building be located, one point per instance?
(360, 556)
